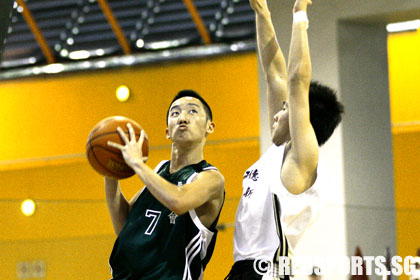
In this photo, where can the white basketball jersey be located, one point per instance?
(256, 230)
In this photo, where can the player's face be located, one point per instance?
(188, 121)
(280, 130)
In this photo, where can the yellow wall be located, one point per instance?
(45, 122)
(404, 73)
(404, 61)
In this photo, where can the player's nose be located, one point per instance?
(183, 118)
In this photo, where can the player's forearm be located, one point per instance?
(271, 56)
(117, 204)
(167, 194)
(299, 68)
(272, 59)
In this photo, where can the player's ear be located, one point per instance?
(210, 127)
(167, 134)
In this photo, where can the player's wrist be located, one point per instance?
(110, 180)
(299, 17)
(137, 163)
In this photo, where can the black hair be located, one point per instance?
(191, 93)
(325, 111)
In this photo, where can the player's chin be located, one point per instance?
(278, 143)
(274, 138)
(182, 139)
(277, 140)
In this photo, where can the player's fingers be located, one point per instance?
(131, 132)
(115, 145)
(141, 139)
(122, 135)
(140, 144)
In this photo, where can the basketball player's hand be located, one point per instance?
(132, 149)
(301, 5)
(258, 5)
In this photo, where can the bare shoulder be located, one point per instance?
(214, 181)
(211, 178)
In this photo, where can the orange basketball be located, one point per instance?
(106, 160)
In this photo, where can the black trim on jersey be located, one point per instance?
(283, 249)
(243, 270)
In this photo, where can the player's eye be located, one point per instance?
(174, 113)
(193, 111)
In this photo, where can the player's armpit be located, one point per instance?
(297, 179)
(135, 197)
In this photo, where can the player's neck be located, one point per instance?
(182, 156)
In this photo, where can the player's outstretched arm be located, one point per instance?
(271, 57)
(118, 206)
(300, 168)
(206, 187)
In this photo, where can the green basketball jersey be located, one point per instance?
(156, 244)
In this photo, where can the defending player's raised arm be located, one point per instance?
(304, 146)
(271, 57)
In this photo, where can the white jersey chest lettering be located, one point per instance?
(255, 225)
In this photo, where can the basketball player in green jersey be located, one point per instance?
(168, 229)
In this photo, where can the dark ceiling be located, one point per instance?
(82, 29)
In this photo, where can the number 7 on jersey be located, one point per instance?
(155, 215)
